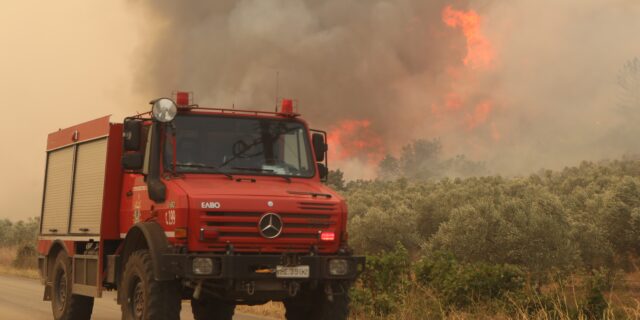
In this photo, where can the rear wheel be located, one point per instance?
(66, 305)
(209, 308)
(315, 305)
(146, 298)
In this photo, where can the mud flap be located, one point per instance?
(47, 293)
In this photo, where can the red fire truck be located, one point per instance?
(221, 207)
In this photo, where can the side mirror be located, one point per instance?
(132, 161)
(157, 190)
(323, 171)
(319, 146)
(132, 134)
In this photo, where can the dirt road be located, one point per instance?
(22, 299)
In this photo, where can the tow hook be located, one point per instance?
(198, 290)
(251, 288)
(229, 248)
(294, 287)
(329, 292)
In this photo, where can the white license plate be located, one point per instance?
(297, 272)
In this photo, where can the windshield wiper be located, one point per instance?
(262, 170)
(256, 142)
(204, 166)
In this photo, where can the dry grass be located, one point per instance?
(7, 256)
(270, 309)
(24, 273)
(624, 303)
(558, 303)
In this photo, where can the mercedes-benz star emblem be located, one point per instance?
(270, 225)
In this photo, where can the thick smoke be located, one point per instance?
(545, 96)
(557, 81)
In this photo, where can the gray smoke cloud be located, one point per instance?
(549, 97)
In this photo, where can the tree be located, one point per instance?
(389, 168)
(335, 180)
(19, 233)
(421, 159)
(460, 166)
(5, 232)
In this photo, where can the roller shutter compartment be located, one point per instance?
(57, 195)
(88, 191)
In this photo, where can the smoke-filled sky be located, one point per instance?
(518, 84)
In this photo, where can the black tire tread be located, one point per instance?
(164, 297)
(78, 307)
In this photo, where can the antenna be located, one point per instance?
(277, 88)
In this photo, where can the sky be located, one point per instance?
(520, 85)
(61, 63)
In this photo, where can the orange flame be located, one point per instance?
(472, 110)
(479, 115)
(480, 53)
(355, 139)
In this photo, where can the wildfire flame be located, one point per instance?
(479, 115)
(355, 139)
(480, 57)
(458, 108)
(480, 54)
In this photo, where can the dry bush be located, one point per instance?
(26, 258)
(7, 255)
(7, 260)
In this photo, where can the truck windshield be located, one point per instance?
(234, 145)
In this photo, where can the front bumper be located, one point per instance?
(261, 267)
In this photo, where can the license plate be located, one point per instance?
(297, 272)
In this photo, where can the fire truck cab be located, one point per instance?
(221, 207)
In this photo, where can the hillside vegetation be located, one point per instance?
(556, 244)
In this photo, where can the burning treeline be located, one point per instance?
(503, 83)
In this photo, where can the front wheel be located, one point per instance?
(65, 304)
(145, 297)
(316, 305)
(209, 308)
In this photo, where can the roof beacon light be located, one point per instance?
(287, 106)
(183, 99)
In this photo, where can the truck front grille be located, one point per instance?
(242, 227)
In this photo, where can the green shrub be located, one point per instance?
(595, 305)
(384, 282)
(380, 230)
(520, 224)
(461, 284)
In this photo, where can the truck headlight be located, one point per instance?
(164, 110)
(338, 267)
(202, 266)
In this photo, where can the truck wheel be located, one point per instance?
(209, 308)
(314, 305)
(145, 298)
(65, 305)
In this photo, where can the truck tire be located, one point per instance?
(209, 308)
(65, 305)
(314, 305)
(144, 297)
